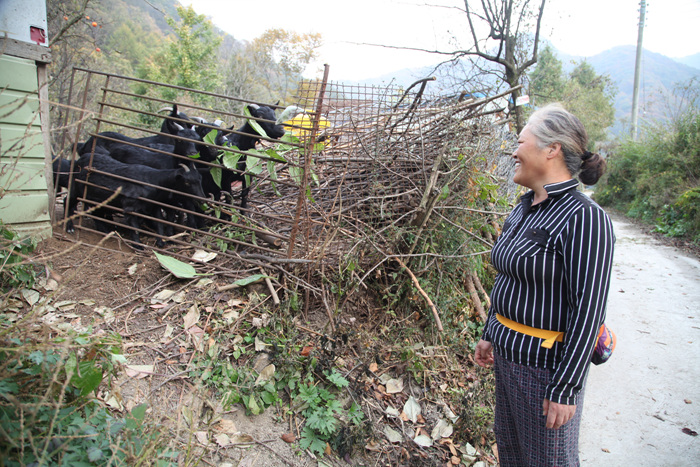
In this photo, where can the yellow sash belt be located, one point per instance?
(548, 336)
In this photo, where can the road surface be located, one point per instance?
(639, 403)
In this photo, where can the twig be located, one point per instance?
(422, 292)
(270, 287)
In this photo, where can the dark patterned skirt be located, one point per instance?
(521, 433)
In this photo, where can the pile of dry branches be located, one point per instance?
(391, 168)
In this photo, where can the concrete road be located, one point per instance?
(639, 403)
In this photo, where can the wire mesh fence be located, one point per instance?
(356, 165)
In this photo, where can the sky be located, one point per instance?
(575, 27)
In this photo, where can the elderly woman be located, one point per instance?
(553, 258)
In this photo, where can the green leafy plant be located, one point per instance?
(15, 271)
(49, 417)
(321, 412)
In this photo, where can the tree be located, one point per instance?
(270, 66)
(583, 92)
(506, 44)
(188, 61)
(546, 80)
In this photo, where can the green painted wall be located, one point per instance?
(24, 200)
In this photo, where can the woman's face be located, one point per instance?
(529, 160)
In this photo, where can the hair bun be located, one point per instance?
(586, 155)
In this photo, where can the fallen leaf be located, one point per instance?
(394, 386)
(257, 323)
(687, 401)
(373, 367)
(106, 313)
(225, 426)
(452, 448)
(306, 350)
(176, 267)
(392, 435)
(197, 335)
(202, 437)
(442, 430)
(222, 439)
(132, 269)
(260, 345)
(203, 283)
(455, 460)
(31, 296)
(373, 446)
(450, 414)
(412, 409)
(192, 317)
(203, 256)
(235, 302)
(231, 316)
(391, 411)
(139, 371)
(241, 438)
(605, 450)
(423, 440)
(288, 438)
(690, 432)
(179, 297)
(255, 278)
(267, 374)
(51, 285)
(65, 305)
(162, 296)
(114, 403)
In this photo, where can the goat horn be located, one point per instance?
(169, 109)
(187, 169)
(198, 119)
(254, 106)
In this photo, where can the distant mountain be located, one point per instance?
(690, 60)
(659, 75)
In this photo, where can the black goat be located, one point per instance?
(244, 138)
(134, 194)
(135, 155)
(169, 127)
(61, 173)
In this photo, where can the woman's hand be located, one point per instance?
(483, 355)
(557, 414)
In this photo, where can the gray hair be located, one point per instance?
(554, 124)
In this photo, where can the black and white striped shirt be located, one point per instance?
(554, 261)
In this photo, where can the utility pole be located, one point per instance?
(637, 67)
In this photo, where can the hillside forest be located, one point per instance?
(361, 355)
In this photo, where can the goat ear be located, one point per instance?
(277, 103)
(174, 112)
(173, 127)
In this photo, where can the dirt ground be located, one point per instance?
(108, 286)
(642, 408)
(123, 284)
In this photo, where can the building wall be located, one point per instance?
(24, 198)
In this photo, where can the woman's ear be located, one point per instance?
(553, 149)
